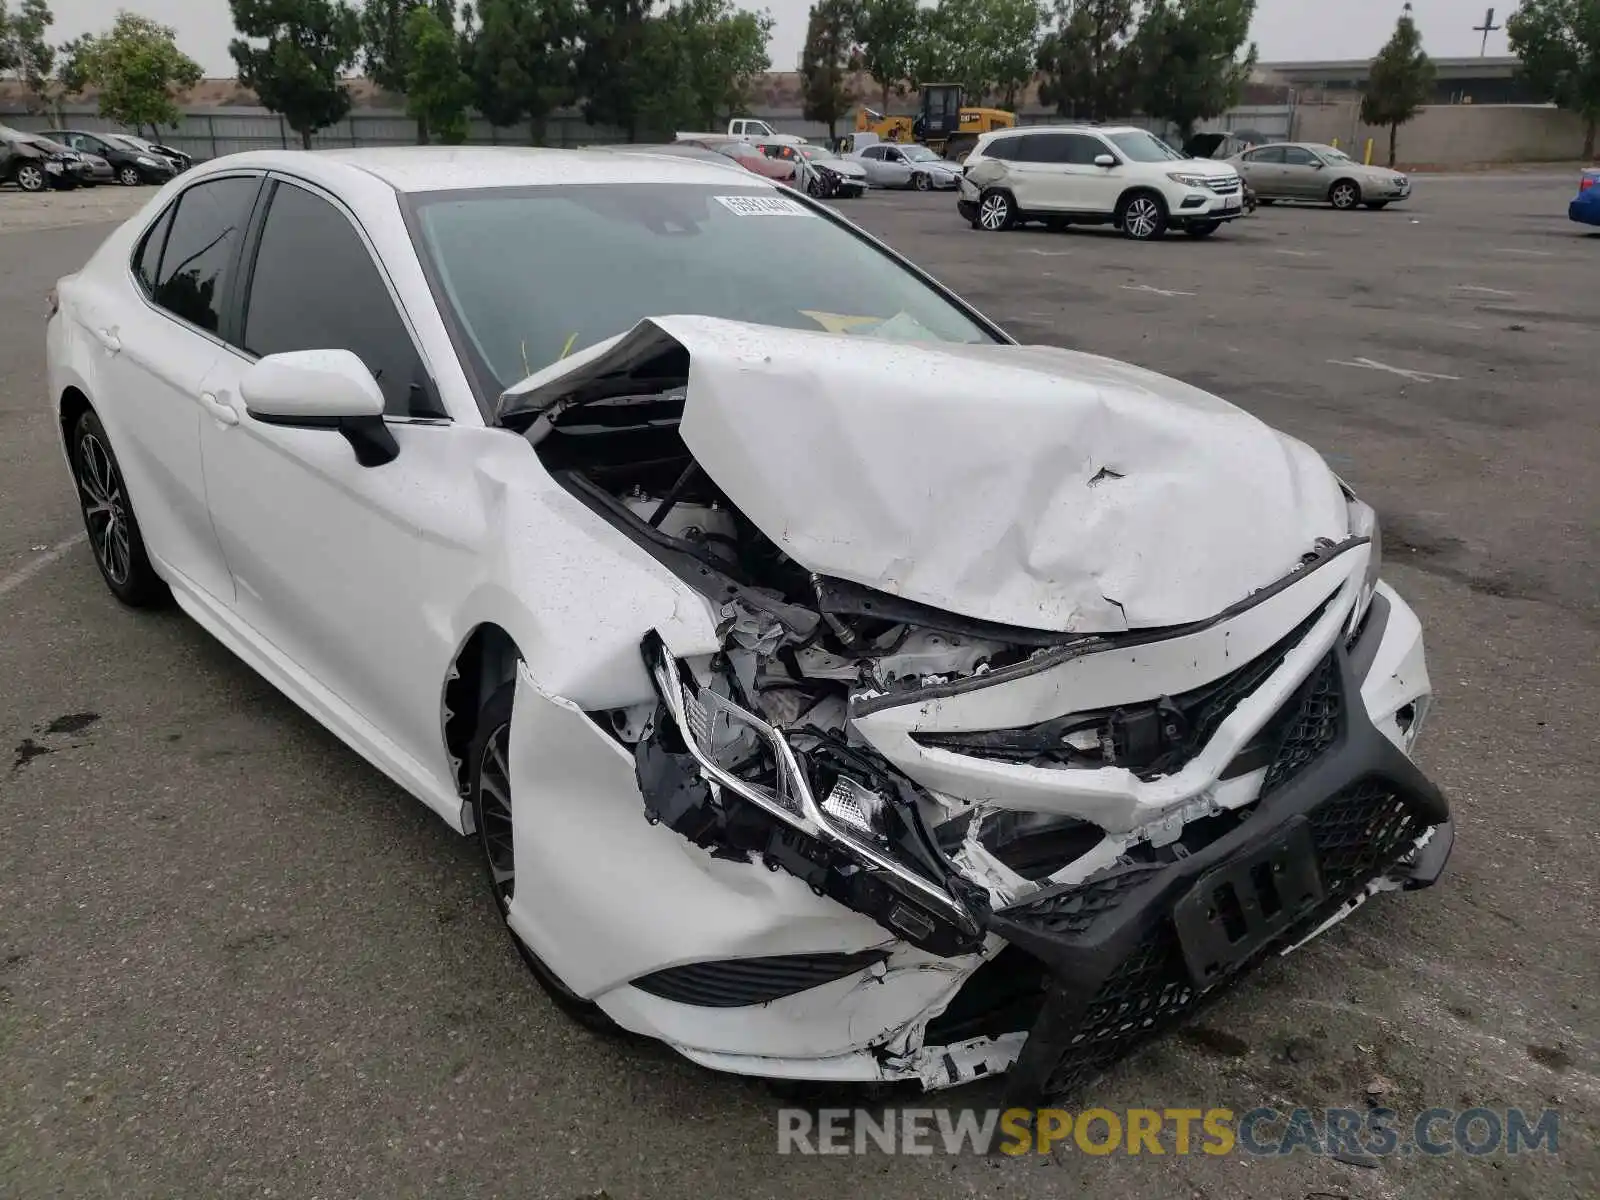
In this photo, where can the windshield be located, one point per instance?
(1332, 155)
(920, 154)
(1143, 147)
(126, 142)
(530, 275)
(816, 151)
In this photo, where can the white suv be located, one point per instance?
(1119, 175)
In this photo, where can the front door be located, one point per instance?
(334, 563)
(1304, 177)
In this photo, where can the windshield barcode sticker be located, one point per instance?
(761, 206)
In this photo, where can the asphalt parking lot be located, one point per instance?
(236, 961)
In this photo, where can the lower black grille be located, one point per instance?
(1359, 833)
(738, 982)
(1312, 728)
(1072, 910)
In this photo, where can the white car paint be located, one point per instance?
(352, 589)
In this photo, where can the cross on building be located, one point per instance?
(1486, 29)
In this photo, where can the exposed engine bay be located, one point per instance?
(752, 751)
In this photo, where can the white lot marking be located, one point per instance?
(1535, 253)
(1469, 287)
(1298, 253)
(1155, 291)
(1405, 373)
(1049, 253)
(22, 574)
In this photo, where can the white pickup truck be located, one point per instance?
(747, 129)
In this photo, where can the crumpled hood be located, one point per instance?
(1024, 485)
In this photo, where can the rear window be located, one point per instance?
(533, 274)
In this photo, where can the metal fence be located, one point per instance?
(209, 133)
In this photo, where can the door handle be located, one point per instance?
(224, 414)
(109, 339)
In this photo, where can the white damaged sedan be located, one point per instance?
(836, 689)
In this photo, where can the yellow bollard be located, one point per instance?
(1335, 143)
(1368, 159)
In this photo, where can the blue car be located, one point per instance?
(1585, 206)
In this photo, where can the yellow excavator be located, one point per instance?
(943, 123)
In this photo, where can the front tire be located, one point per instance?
(1142, 217)
(129, 177)
(997, 212)
(921, 182)
(1344, 195)
(489, 785)
(30, 177)
(109, 520)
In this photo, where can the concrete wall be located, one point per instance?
(1445, 135)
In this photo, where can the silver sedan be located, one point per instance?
(893, 166)
(1322, 174)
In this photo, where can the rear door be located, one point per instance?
(1263, 171)
(158, 344)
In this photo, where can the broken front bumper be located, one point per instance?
(1345, 813)
(744, 968)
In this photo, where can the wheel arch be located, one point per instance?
(69, 411)
(485, 661)
(1142, 189)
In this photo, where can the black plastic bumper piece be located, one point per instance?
(1128, 951)
(738, 982)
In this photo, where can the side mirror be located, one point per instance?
(1319, 165)
(321, 389)
(1105, 160)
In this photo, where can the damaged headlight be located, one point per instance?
(1364, 523)
(723, 737)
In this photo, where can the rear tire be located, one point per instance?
(489, 785)
(109, 520)
(1142, 217)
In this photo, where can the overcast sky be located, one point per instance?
(1286, 30)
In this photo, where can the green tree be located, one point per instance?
(1087, 59)
(886, 33)
(828, 57)
(1400, 82)
(987, 46)
(1559, 44)
(298, 73)
(612, 71)
(385, 49)
(438, 91)
(136, 68)
(24, 50)
(1189, 55)
(522, 59)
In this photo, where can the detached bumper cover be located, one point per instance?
(1136, 948)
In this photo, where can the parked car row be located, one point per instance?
(69, 158)
(1127, 177)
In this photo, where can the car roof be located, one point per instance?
(447, 168)
(1107, 129)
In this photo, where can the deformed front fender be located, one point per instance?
(603, 896)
